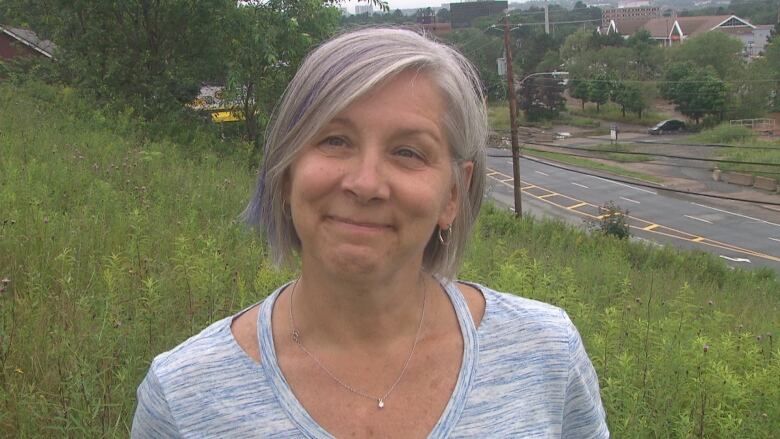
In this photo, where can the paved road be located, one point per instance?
(742, 240)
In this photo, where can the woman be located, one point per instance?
(374, 173)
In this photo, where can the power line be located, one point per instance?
(705, 145)
(650, 163)
(736, 162)
(653, 142)
(649, 186)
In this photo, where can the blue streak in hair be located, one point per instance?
(315, 91)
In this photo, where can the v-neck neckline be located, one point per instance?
(303, 420)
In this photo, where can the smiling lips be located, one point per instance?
(358, 224)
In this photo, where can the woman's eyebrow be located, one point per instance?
(414, 132)
(343, 121)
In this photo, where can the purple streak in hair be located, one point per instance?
(324, 79)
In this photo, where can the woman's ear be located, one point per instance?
(451, 208)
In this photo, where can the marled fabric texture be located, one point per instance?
(524, 374)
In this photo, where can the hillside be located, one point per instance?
(116, 245)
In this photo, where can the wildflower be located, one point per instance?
(741, 326)
(46, 220)
(758, 338)
(19, 370)
(710, 302)
(706, 348)
(638, 300)
(5, 281)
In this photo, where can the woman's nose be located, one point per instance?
(365, 179)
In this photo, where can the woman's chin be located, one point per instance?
(355, 262)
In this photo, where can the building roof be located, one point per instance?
(629, 27)
(696, 25)
(660, 27)
(30, 39)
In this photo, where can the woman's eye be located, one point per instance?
(409, 153)
(333, 141)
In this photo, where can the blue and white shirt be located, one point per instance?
(524, 374)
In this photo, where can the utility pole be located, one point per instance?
(546, 18)
(510, 79)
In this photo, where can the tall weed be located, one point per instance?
(116, 246)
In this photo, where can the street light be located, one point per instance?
(513, 123)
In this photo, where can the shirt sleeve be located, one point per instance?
(153, 417)
(583, 414)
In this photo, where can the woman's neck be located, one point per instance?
(360, 313)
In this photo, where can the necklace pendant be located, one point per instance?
(381, 403)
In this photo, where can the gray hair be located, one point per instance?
(332, 77)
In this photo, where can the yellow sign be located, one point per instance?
(226, 116)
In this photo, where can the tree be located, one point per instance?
(701, 93)
(150, 54)
(630, 97)
(267, 44)
(541, 98)
(443, 15)
(645, 54)
(600, 89)
(673, 76)
(482, 50)
(717, 49)
(771, 66)
(580, 89)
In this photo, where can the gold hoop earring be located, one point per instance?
(445, 239)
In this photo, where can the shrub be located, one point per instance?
(725, 133)
(613, 221)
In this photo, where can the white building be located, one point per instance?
(364, 9)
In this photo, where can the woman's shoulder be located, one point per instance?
(213, 342)
(510, 308)
(213, 351)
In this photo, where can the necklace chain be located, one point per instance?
(296, 336)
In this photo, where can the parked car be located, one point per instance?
(667, 126)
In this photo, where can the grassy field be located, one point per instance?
(611, 112)
(619, 150)
(115, 247)
(592, 164)
(762, 151)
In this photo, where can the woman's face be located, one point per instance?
(368, 190)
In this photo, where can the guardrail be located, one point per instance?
(764, 125)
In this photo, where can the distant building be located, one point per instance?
(17, 42)
(671, 30)
(643, 13)
(633, 3)
(364, 9)
(462, 14)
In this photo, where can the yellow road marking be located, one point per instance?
(651, 227)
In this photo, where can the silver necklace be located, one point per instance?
(380, 400)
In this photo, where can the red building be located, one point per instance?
(16, 42)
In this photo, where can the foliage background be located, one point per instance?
(117, 247)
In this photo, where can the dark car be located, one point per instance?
(667, 126)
